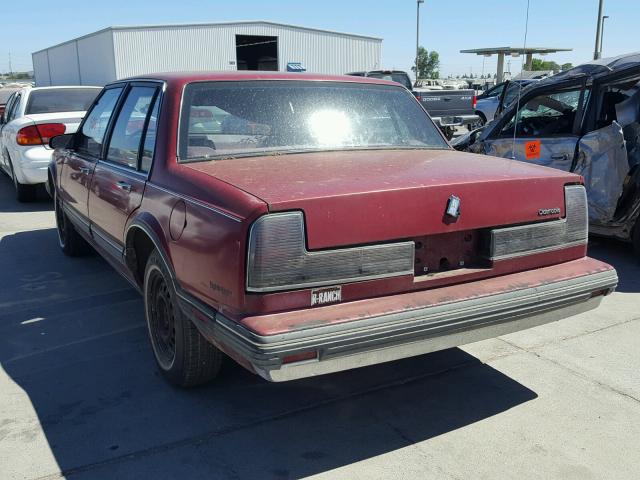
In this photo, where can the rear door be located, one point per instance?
(80, 160)
(11, 106)
(120, 177)
(544, 130)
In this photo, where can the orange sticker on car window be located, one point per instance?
(532, 150)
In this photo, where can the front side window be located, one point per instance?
(545, 115)
(226, 120)
(124, 145)
(91, 136)
(494, 92)
(13, 109)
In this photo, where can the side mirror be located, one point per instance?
(61, 141)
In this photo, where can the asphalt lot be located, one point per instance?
(80, 395)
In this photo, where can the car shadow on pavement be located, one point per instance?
(621, 256)
(73, 340)
(41, 202)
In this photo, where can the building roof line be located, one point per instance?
(522, 50)
(207, 24)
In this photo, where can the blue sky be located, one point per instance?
(446, 26)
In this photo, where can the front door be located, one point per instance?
(119, 179)
(544, 130)
(83, 155)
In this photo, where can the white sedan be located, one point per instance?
(32, 117)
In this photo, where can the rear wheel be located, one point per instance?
(71, 243)
(478, 123)
(184, 356)
(24, 192)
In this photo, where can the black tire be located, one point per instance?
(635, 237)
(184, 356)
(70, 241)
(478, 123)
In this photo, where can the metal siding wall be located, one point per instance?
(97, 64)
(63, 64)
(146, 50)
(41, 68)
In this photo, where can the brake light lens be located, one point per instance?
(278, 258)
(573, 230)
(39, 134)
(475, 101)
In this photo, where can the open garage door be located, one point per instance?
(256, 52)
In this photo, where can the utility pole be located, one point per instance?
(604, 17)
(418, 35)
(598, 50)
(10, 69)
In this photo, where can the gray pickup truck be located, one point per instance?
(448, 108)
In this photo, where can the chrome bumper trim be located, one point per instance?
(404, 334)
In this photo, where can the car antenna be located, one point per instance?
(524, 48)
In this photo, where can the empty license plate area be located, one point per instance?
(448, 251)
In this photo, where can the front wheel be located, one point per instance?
(70, 241)
(184, 356)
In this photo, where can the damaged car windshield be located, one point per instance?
(224, 119)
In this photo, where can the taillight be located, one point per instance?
(419, 97)
(475, 101)
(39, 134)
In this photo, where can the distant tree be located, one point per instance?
(428, 64)
(539, 64)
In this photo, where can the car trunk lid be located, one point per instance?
(362, 197)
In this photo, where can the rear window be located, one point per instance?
(61, 100)
(5, 93)
(400, 78)
(226, 120)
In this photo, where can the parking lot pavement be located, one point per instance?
(80, 395)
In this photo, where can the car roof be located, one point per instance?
(246, 75)
(596, 68)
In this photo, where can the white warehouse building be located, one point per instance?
(119, 52)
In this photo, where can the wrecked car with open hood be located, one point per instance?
(585, 120)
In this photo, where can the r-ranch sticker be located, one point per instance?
(532, 150)
(321, 296)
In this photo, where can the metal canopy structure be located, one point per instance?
(514, 52)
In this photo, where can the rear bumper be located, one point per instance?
(389, 328)
(32, 164)
(455, 120)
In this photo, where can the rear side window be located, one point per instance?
(60, 100)
(90, 138)
(124, 146)
(150, 138)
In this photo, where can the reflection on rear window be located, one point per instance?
(5, 93)
(225, 119)
(61, 100)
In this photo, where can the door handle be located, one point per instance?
(564, 156)
(85, 170)
(123, 186)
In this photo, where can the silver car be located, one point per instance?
(489, 101)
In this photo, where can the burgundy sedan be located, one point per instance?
(307, 224)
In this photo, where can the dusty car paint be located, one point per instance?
(349, 198)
